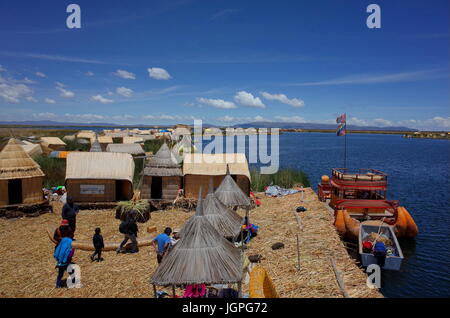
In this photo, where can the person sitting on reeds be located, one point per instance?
(97, 240)
(62, 231)
(161, 243)
(69, 212)
(129, 229)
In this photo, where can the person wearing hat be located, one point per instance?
(69, 212)
(62, 231)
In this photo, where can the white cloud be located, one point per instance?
(60, 84)
(127, 92)
(226, 118)
(40, 74)
(2, 69)
(247, 99)
(45, 115)
(158, 73)
(31, 99)
(84, 117)
(290, 119)
(12, 90)
(218, 103)
(294, 102)
(65, 92)
(125, 74)
(260, 118)
(380, 78)
(89, 73)
(101, 99)
(49, 101)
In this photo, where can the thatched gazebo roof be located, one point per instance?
(163, 164)
(95, 147)
(225, 221)
(15, 163)
(201, 256)
(230, 194)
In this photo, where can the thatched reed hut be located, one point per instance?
(99, 176)
(53, 143)
(21, 177)
(95, 146)
(230, 194)
(132, 140)
(162, 176)
(86, 134)
(201, 256)
(198, 168)
(132, 149)
(224, 220)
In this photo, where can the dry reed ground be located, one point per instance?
(27, 264)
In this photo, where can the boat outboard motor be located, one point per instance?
(379, 251)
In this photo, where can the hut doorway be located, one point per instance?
(15, 191)
(156, 190)
(122, 190)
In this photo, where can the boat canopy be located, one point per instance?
(366, 204)
(360, 179)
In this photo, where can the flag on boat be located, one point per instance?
(341, 131)
(342, 119)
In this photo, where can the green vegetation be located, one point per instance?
(285, 178)
(73, 145)
(138, 167)
(54, 170)
(153, 145)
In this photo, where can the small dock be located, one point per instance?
(325, 269)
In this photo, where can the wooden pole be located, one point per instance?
(240, 290)
(173, 291)
(339, 279)
(154, 290)
(298, 252)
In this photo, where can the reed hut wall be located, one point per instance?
(192, 184)
(102, 190)
(170, 186)
(31, 191)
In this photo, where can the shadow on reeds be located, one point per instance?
(285, 178)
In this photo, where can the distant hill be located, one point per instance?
(284, 125)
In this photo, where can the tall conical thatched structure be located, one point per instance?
(162, 176)
(230, 194)
(225, 221)
(202, 255)
(20, 176)
(95, 147)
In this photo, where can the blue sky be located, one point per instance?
(226, 62)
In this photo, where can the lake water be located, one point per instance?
(419, 176)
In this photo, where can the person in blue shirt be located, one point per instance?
(161, 243)
(63, 255)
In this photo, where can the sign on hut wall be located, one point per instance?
(92, 189)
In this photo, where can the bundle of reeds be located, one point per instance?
(138, 209)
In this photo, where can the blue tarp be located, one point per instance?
(276, 191)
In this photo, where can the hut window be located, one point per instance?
(156, 191)
(15, 191)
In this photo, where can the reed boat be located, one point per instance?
(377, 231)
(361, 195)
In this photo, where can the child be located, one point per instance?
(97, 239)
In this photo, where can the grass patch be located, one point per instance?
(73, 145)
(54, 170)
(285, 178)
(154, 145)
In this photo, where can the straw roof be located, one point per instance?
(202, 255)
(86, 134)
(52, 141)
(230, 194)
(215, 164)
(227, 222)
(132, 140)
(134, 149)
(15, 163)
(163, 164)
(100, 165)
(103, 139)
(31, 149)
